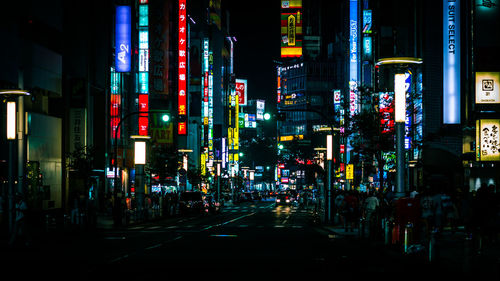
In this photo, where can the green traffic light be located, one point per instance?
(241, 154)
(267, 116)
(165, 118)
(280, 146)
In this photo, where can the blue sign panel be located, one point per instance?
(353, 41)
(451, 62)
(122, 39)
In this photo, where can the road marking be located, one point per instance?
(119, 259)
(115, 238)
(224, 235)
(230, 221)
(154, 246)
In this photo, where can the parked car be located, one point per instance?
(191, 202)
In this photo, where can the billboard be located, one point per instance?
(451, 62)
(291, 28)
(487, 90)
(260, 109)
(487, 140)
(123, 39)
(241, 91)
(386, 109)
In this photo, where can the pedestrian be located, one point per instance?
(438, 209)
(20, 228)
(449, 210)
(75, 208)
(339, 210)
(371, 204)
(351, 208)
(427, 207)
(1, 213)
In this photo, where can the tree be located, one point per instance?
(163, 162)
(81, 162)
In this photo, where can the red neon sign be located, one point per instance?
(143, 118)
(182, 105)
(115, 114)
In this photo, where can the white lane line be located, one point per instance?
(230, 221)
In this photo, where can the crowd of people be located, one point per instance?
(429, 211)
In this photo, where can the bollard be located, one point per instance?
(433, 251)
(407, 238)
(467, 252)
(386, 231)
(47, 223)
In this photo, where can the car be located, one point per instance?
(284, 199)
(191, 202)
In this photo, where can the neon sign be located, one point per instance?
(122, 39)
(182, 60)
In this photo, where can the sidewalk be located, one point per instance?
(453, 250)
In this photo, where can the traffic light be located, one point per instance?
(267, 116)
(280, 146)
(165, 117)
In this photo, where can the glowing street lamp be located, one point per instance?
(400, 116)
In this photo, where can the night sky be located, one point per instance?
(257, 29)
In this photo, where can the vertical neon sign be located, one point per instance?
(182, 60)
(451, 61)
(122, 39)
(142, 78)
(353, 55)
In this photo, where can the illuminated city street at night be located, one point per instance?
(224, 139)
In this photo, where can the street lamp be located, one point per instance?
(11, 126)
(399, 118)
(139, 161)
(117, 206)
(329, 157)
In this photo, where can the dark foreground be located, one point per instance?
(244, 241)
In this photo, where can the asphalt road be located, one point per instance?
(246, 240)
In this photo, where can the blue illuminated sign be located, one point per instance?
(353, 41)
(122, 39)
(451, 62)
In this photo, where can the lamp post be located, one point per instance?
(13, 125)
(117, 206)
(185, 164)
(139, 161)
(329, 158)
(400, 115)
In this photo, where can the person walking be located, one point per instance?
(351, 208)
(371, 205)
(20, 228)
(427, 207)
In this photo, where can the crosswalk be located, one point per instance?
(272, 208)
(197, 228)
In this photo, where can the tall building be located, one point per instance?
(311, 68)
